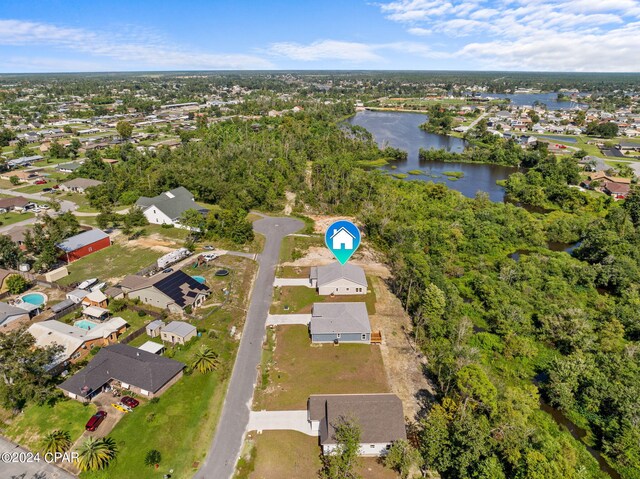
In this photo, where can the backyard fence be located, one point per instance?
(66, 311)
(137, 333)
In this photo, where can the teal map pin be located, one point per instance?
(343, 239)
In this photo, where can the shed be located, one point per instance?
(83, 244)
(154, 327)
(95, 312)
(152, 347)
(178, 332)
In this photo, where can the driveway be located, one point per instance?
(224, 452)
(281, 421)
(287, 319)
(292, 282)
(65, 205)
(33, 470)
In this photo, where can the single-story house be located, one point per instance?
(114, 292)
(63, 305)
(167, 207)
(174, 290)
(96, 312)
(25, 160)
(338, 279)
(79, 185)
(14, 203)
(77, 342)
(68, 167)
(154, 328)
(4, 274)
(23, 176)
(130, 368)
(340, 323)
(178, 332)
(77, 295)
(9, 313)
(618, 191)
(83, 244)
(379, 416)
(17, 233)
(95, 298)
(152, 347)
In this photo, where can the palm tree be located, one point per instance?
(96, 454)
(57, 441)
(205, 360)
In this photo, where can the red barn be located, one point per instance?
(83, 244)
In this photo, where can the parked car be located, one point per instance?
(209, 247)
(95, 421)
(55, 187)
(121, 407)
(129, 401)
(44, 207)
(41, 182)
(167, 270)
(47, 190)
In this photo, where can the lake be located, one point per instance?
(528, 99)
(401, 130)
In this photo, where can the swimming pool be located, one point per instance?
(85, 324)
(199, 279)
(37, 299)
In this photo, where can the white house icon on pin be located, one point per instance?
(342, 239)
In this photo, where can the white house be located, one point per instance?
(342, 239)
(168, 207)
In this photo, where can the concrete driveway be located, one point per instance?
(287, 319)
(28, 470)
(281, 421)
(224, 452)
(292, 282)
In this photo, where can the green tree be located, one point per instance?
(56, 441)
(205, 360)
(152, 457)
(16, 284)
(10, 253)
(124, 129)
(402, 457)
(194, 220)
(343, 460)
(14, 180)
(95, 454)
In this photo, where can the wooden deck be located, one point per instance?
(376, 337)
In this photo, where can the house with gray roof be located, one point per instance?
(168, 207)
(174, 290)
(178, 332)
(9, 313)
(79, 185)
(337, 279)
(379, 416)
(126, 367)
(340, 323)
(154, 328)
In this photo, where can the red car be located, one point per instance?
(95, 421)
(41, 182)
(129, 401)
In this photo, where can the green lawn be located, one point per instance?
(35, 422)
(295, 369)
(300, 299)
(7, 219)
(30, 189)
(293, 247)
(291, 454)
(115, 261)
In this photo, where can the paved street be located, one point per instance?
(33, 470)
(227, 443)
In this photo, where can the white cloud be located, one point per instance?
(586, 35)
(136, 51)
(350, 52)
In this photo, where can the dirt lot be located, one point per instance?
(154, 242)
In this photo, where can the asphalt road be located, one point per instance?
(224, 452)
(28, 470)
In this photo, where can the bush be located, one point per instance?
(16, 284)
(142, 313)
(153, 457)
(117, 305)
(188, 309)
(154, 400)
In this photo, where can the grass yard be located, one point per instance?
(175, 234)
(293, 247)
(295, 369)
(293, 271)
(115, 261)
(35, 422)
(300, 299)
(7, 219)
(30, 189)
(291, 454)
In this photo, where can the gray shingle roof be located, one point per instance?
(379, 416)
(331, 318)
(126, 364)
(334, 271)
(172, 203)
(179, 328)
(83, 239)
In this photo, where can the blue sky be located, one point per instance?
(134, 35)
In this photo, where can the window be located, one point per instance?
(372, 446)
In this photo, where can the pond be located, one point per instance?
(401, 130)
(528, 99)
